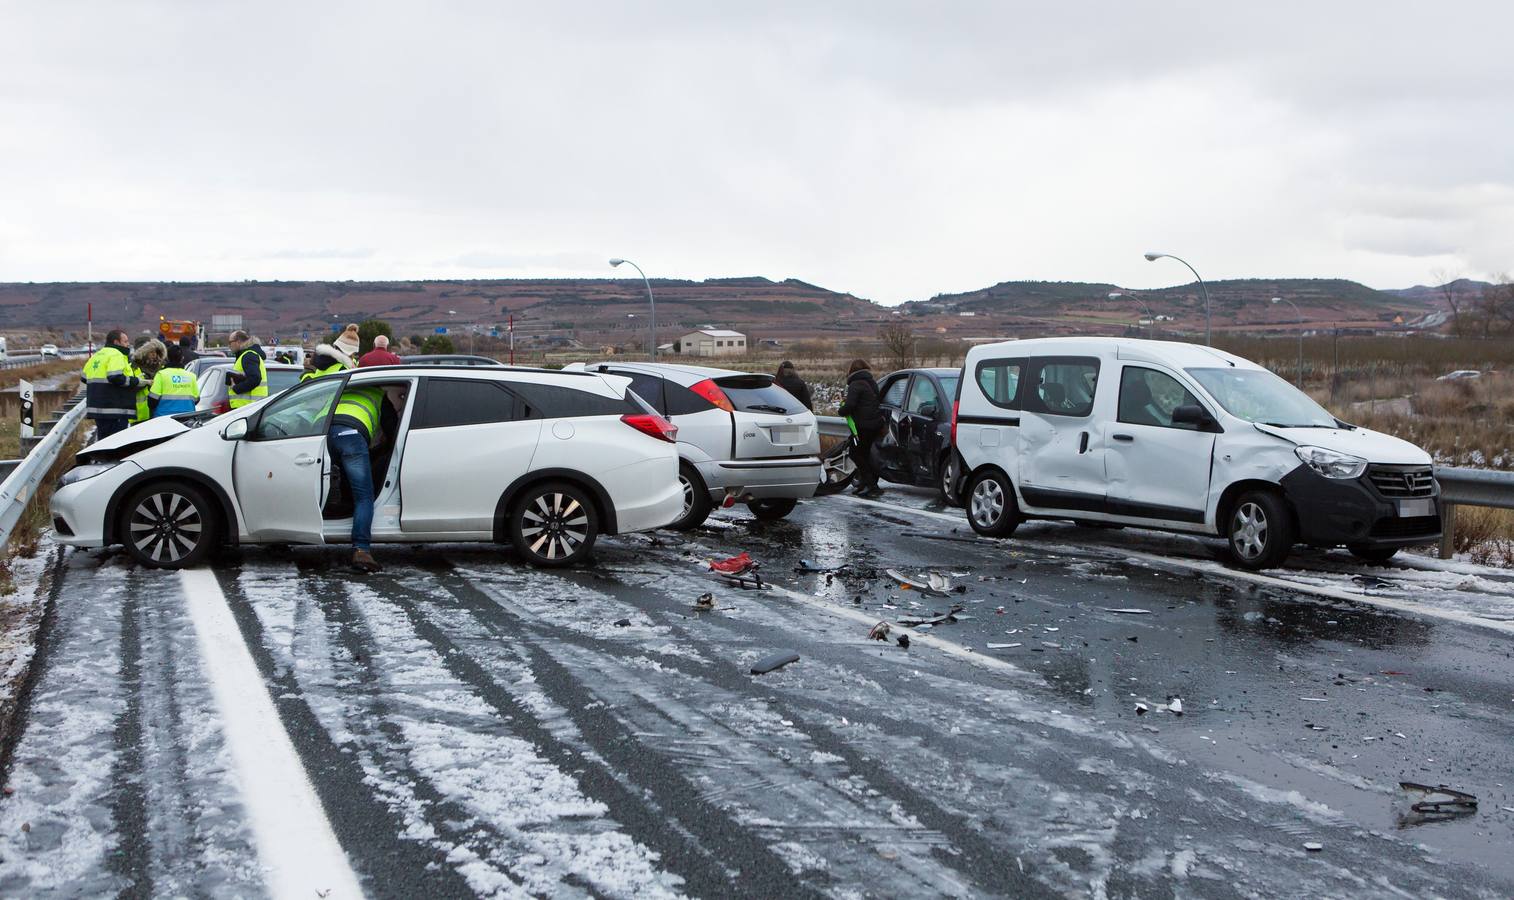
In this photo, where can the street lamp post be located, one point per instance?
(1299, 378)
(1208, 329)
(1115, 295)
(650, 300)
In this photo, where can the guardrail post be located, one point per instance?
(1447, 530)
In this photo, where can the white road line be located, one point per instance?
(295, 842)
(1212, 568)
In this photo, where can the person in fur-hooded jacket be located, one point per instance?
(146, 360)
(337, 356)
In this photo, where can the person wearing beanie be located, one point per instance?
(788, 379)
(348, 341)
(327, 359)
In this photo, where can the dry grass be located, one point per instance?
(1485, 535)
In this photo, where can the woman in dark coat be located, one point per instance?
(788, 379)
(861, 407)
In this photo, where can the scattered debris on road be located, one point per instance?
(1175, 706)
(1003, 646)
(879, 632)
(1130, 612)
(1373, 583)
(735, 565)
(705, 601)
(938, 619)
(1440, 799)
(904, 641)
(623, 623)
(1141, 708)
(773, 661)
(1313, 846)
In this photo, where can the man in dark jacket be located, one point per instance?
(861, 408)
(187, 352)
(788, 379)
(247, 382)
(110, 393)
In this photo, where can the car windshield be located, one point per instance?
(1259, 396)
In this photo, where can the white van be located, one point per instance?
(1112, 432)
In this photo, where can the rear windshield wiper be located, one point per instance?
(764, 407)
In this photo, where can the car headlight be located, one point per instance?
(1331, 463)
(79, 473)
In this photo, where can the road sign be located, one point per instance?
(304, 337)
(335, 327)
(27, 408)
(494, 332)
(441, 330)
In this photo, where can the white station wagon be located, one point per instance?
(1180, 437)
(546, 461)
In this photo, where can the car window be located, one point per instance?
(923, 392)
(553, 401)
(449, 402)
(647, 387)
(1063, 385)
(281, 380)
(893, 391)
(682, 401)
(300, 414)
(1000, 381)
(949, 386)
(758, 393)
(1148, 397)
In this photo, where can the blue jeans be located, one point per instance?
(351, 451)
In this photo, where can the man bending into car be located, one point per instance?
(356, 423)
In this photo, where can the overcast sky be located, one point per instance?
(894, 150)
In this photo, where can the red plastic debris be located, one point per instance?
(741, 562)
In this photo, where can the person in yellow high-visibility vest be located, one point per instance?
(110, 388)
(354, 429)
(248, 380)
(174, 389)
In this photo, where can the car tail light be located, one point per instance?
(711, 391)
(956, 408)
(653, 425)
(223, 407)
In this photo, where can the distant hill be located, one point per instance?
(1236, 303)
(588, 310)
(601, 311)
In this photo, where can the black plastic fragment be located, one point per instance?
(773, 661)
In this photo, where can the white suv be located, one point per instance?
(545, 460)
(1110, 432)
(741, 437)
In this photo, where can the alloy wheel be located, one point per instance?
(988, 502)
(555, 525)
(166, 527)
(1248, 531)
(688, 494)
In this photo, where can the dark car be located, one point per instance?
(916, 445)
(450, 359)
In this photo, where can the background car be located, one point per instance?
(916, 444)
(449, 359)
(741, 437)
(48, 350)
(545, 461)
(211, 374)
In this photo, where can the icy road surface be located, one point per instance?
(466, 726)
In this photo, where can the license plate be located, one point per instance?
(1410, 508)
(788, 434)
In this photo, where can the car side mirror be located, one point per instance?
(1192, 414)
(235, 430)
(929, 410)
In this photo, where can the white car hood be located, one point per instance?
(1373, 446)
(137, 437)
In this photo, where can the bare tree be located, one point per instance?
(1495, 313)
(898, 345)
(1446, 280)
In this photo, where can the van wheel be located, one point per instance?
(169, 526)
(991, 506)
(1374, 555)
(772, 508)
(696, 499)
(554, 525)
(1260, 531)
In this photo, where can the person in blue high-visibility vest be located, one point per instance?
(174, 389)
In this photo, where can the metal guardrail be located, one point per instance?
(21, 362)
(21, 485)
(1458, 487)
